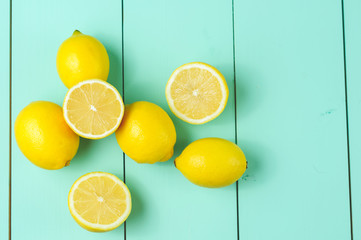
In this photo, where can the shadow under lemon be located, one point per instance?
(257, 163)
(137, 200)
(83, 153)
(115, 71)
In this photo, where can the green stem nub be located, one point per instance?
(76, 32)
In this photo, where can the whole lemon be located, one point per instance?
(44, 137)
(81, 57)
(146, 134)
(212, 162)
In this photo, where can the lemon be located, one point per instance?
(44, 137)
(212, 162)
(93, 109)
(99, 201)
(197, 92)
(81, 57)
(146, 134)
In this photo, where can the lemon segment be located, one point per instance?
(197, 92)
(99, 201)
(93, 109)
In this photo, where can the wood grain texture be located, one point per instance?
(39, 201)
(352, 22)
(291, 120)
(4, 120)
(159, 36)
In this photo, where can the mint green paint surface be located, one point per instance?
(352, 10)
(39, 197)
(290, 119)
(158, 38)
(4, 120)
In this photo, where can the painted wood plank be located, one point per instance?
(291, 120)
(4, 121)
(39, 201)
(159, 36)
(352, 9)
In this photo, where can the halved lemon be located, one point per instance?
(196, 92)
(99, 201)
(93, 109)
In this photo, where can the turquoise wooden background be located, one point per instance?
(293, 68)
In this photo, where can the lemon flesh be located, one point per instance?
(81, 57)
(212, 162)
(44, 137)
(99, 201)
(93, 109)
(146, 134)
(197, 93)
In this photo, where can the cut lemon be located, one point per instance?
(93, 109)
(99, 201)
(196, 92)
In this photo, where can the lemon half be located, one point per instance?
(99, 201)
(197, 92)
(93, 109)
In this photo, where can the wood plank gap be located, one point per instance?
(10, 112)
(346, 108)
(235, 109)
(122, 5)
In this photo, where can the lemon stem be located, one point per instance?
(76, 32)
